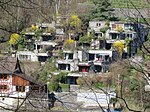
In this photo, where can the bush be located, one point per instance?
(65, 87)
(113, 100)
(119, 29)
(84, 39)
(53, 86)
(99, 85)
(69, 44)
(104, 29)
(80, 81)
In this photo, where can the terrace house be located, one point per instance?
(119, 30)
(42, 45)
(97, 61)
(70, 61)
(123, 30)
(95, 26)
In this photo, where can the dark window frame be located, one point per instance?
(20, 88)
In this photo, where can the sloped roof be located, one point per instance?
(148, 66)
(9, 65)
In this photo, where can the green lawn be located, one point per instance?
(129, 3)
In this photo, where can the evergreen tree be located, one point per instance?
(102, 10)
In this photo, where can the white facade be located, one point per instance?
(101, 53)
(14, 98)
(27, 56)
(9, 96)
(96, 25)
(8, 84)
(67, 65)
(70, 61)
(30, 56)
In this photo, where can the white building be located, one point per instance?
(70, 61)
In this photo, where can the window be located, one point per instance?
(91, 57)
(70, 56)
(113, 26)
(83, 68)
(114, 36)
(3, 76)
(64, 67)
(20, 88)
(47, 37)
(3, 87)
(129, 35)
(98, 56)
(127, 27)
(98, 24)
(24, 57)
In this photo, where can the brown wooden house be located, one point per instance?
(13, 80)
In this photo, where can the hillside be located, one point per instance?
(129, 3)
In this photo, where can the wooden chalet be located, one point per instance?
(13, 80)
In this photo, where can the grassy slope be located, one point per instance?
(129, 3)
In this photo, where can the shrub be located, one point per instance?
(80, 81)
(65, 87)
(104, 29)
(99, 85)
(119, 29)
(53, 86)
(69, 44)
(14, 39)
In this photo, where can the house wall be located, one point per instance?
(15, 93)
(68, 66)
(16, 80)
(19, 82)
(96, 25)
(6, 82)
(80, 55)
(10, 102)
(12, 82)
(116, 25)
(27, 56)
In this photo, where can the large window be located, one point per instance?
(91, 57)
(64, 66)
(20, 88)
(68, 56)
(114, 36)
